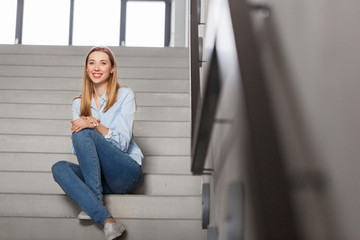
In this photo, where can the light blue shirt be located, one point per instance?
(119, 119)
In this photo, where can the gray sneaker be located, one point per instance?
(113, 230)
(83, 216)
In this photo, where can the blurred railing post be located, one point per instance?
(19, 21)
(194, 62)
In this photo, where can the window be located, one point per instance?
(46, 22)
(8, 21)
(86, 22)
(96, 22)
(145, 23)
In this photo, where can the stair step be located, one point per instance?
(122, 61)
(136, 229)
(61, 144)
(120, 206)
(74, 84)
(65, 97)
(62, 128)
(59, 71)
(42, 162)
(37, 85)
(83, 50)
(43, 183)
(48, 111)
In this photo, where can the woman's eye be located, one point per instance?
(91, 63)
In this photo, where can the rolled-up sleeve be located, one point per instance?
(76, 108)
(76, 115)
(121, 134)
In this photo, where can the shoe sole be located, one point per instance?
(83, 216)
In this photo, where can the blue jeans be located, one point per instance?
(103, 168)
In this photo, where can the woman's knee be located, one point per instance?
(82, 135)
(58, 169)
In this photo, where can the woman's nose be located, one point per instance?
(97, 66)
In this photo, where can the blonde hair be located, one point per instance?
(88, 86)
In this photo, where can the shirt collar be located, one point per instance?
(103, 98)
(102, 101)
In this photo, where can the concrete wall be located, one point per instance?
(318, 42)
(311, 56)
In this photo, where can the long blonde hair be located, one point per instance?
(88, 86)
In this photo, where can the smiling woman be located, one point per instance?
(110, 162)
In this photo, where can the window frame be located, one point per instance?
(20, 14)
(167, 20)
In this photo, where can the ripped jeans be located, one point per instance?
(102, 169)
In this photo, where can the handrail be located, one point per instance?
(205, 117)
(264, 163)
(203, 108)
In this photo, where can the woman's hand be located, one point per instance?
(84, 122)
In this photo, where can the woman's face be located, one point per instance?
(99, 67)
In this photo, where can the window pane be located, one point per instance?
(96, 22)
(145, 24)
(46, 22)
(8, 21)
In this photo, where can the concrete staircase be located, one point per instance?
(37, 84)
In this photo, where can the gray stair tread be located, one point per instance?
(48, 111)
(120, 206)
(61, 144)
(83, 50)
(152, 184)
(122, 61)
(62, 127)
(42, 162)
(76, 72)
(136, 229)
(74, 84)
(65, 97)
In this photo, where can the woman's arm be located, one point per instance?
(79, 123)
(120, 132)
(86, 122)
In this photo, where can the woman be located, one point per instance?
(109, 160)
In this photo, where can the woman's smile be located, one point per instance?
(97, 75)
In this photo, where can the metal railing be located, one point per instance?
(203, 108)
